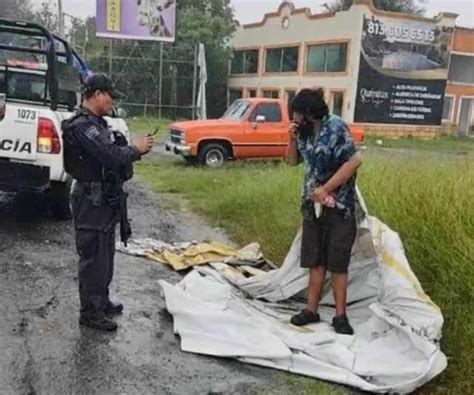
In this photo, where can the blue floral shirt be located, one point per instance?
(323, 156)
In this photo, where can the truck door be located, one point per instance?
(266, 131)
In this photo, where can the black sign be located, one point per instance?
(403, 72)
(382, 99)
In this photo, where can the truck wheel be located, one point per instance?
(61, 200)
(213, 155)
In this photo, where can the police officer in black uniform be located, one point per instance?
(99, 164)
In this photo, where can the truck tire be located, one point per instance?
(213, 155)
(60, 194)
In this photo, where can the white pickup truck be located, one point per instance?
(39, 80)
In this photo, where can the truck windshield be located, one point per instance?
(237, 110)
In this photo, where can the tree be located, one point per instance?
(404, 6)
(16, 9)
(47, 16)
(211, 22)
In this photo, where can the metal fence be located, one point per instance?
(157, 79)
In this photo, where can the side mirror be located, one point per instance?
(258, 119)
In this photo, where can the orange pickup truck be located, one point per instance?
(250, 128)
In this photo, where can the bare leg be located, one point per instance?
(339, 288)
(316, 283)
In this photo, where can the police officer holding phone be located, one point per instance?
(99, 163)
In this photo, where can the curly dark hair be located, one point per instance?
(310, 102)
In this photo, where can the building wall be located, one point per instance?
(463, 45)
(305, 29)
(463, 40)
(458, 92)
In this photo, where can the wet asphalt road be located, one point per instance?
(44, 351)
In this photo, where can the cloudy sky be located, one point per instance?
(253, 10)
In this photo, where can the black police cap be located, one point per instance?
(100, 82)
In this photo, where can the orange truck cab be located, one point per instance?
(250, 128)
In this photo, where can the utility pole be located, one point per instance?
(160, 96)
(61, 18)
(85, 43)
(110, 57)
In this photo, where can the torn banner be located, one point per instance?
(218, 311)
(182, 256)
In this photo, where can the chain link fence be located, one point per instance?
(156, 79)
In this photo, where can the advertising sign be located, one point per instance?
(403, 71)
(137, 19)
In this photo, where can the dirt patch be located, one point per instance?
(43, 348)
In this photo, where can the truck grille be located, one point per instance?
(176, 136)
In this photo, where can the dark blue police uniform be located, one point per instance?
(90, 153)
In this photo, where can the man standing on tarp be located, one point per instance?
(323, 141)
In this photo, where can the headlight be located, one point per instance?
(177, 136)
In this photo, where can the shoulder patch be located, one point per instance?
(92, 133)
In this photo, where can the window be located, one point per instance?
(289, 96)
(271, 94)
(448, 108)
(461, 69)
(24, 86)
(252, 93)
(326, 58)
(245, 62)
(337, 103)
(282, 60)
(237, 110)
(234, 94)
(466, 117)
(271, 112)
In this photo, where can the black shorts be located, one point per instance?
(328, 240)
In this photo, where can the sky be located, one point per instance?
(248, 11)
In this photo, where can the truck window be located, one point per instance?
(24, 86)
(271, 112)
(23, 75)
(237, 110)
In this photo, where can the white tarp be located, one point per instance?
(218, 311)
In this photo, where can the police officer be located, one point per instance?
(91, 155)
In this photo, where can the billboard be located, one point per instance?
(137, 19)
(403, 71)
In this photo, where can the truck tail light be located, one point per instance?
(48, 137)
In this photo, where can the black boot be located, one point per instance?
(99, 322)
(342, 326)
(113, 308)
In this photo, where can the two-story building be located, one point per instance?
(386, 71)
(458, 111)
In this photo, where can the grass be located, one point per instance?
(428, 199)
(250, 200)
(430, 202)
(441, 144)
(143, 125)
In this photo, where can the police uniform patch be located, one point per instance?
(92, 133)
